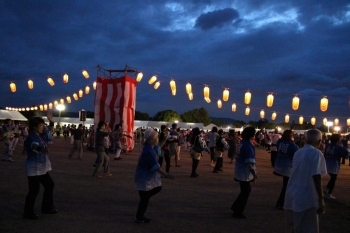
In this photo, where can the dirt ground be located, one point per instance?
(108, 204)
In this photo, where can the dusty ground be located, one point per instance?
(108, 204)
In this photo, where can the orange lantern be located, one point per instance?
(75, 96)
(188, 88)
(273, 116)
(206, 92)
(13, 87)
(27, 109)
(85, 74)
(62, 101)
(348, 121)
(219, 104)
(225, 95)
(247, 98)
(190, 96)
(156, 85)
(139, 77)
(262, 114)
(65, 78)
(35, 108)
(295, 103)
(50, 105)
(55, 103)
(172, 85)
(336, 122)
(41, 107)
(325, 121)
(30, 84)
(324, 104)
(152, 80)
(247, 111)
(50, 81)
(69, 100)
(94, 85)
(87, 90)
(269, 100)
(286, 118)
(234, 107)
(301, 120)
(45, 107)
(313, 121)
(80, 93)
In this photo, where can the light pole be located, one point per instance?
(329, 123)
(60, 107)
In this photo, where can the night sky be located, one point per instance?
(265, 46)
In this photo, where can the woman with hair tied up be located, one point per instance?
(245, 171)
(283, 163)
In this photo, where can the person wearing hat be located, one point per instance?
(147, 175)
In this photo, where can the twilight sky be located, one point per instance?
(267, 46)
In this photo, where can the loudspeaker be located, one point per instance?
(82, 115)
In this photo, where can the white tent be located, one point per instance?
(13, 115)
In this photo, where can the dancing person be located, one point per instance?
(164, 147)
(78, 135)
(245, 171)
(220, 146)
(273, 148)
(173, 143)
(283, 163)
(212, 135)
(147, 175)
(38, 166)
(333, 153)
(117, 143)
(304, 198)
(8, 135)
(198, 146)
(232, 144)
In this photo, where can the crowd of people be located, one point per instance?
(300, 160)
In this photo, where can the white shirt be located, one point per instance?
(274, 139)
(301, 192)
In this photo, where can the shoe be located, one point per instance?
(53, 211)
(220, 169)
(108, 174)
(194, 175)
(10, 160)
(32, 216)
(98, 176)
(143, 220)
(329, 196)
(239, 216)
(118, 158)
(215, 171)
(212, 164)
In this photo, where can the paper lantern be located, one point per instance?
(32, 108)
(156, 85)
(336, 122)
(269, 100)
(225, 95)
(301, 120)
(27, 109)
(65, 78)
(61, 101)
(219, 104)
(87, 90)
(206, 92)
(152, 80)
(23, 109)
(80, 93)
(75, 96)
(207, 99)
(85, 74)
(325, 121)
(188, 88)
(45, 107)
(50, 81)
(190, 96)
(324, 104)
(69, 100)
(139, 77)
(273, 116)
(173, 92)
(313, 121)
(13, 87)
(30, 84)
(55, 104)
(94, 85)
(348, 121)
(247, 97)
(35, 108)
(286, 118)
(262, 114)
(50, 105)
(41, 107)
(295, 103)
(247, 111)
(172, 85)
(234, 107)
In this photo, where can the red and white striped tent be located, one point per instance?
(115, 101)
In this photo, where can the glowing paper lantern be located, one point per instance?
(225, 95)
(247, 111)
(156, 85)
(324, 104)
(286, 118)
(269, 100)
(80, 93)
(85, 74)
(41, 107)
(219, 104)
(139, 77)
(274, 115)
(173, 87)
(190, 96)
(69, 100)
(247, 97)
(65, 78)
(262, 114)
(13, 87)
(50, 81)
(173, 92)
(87, 90)
(152, 80)
(207, 99)
(35, 108)
(348, 121)
(94, 85)
(188, 88)
(32, 108)
(55, 103)
(336, 122)
(301, 120)
(206, 92)
(45, 107)
(325, 121)
(234, 107)
(62, 101)
(313, 121)
(295, 103)
(50, 105)
(27, 109)
(75, 96)
(30, 84)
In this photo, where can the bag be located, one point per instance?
(218, 144)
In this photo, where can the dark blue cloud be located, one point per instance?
(217, 18)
